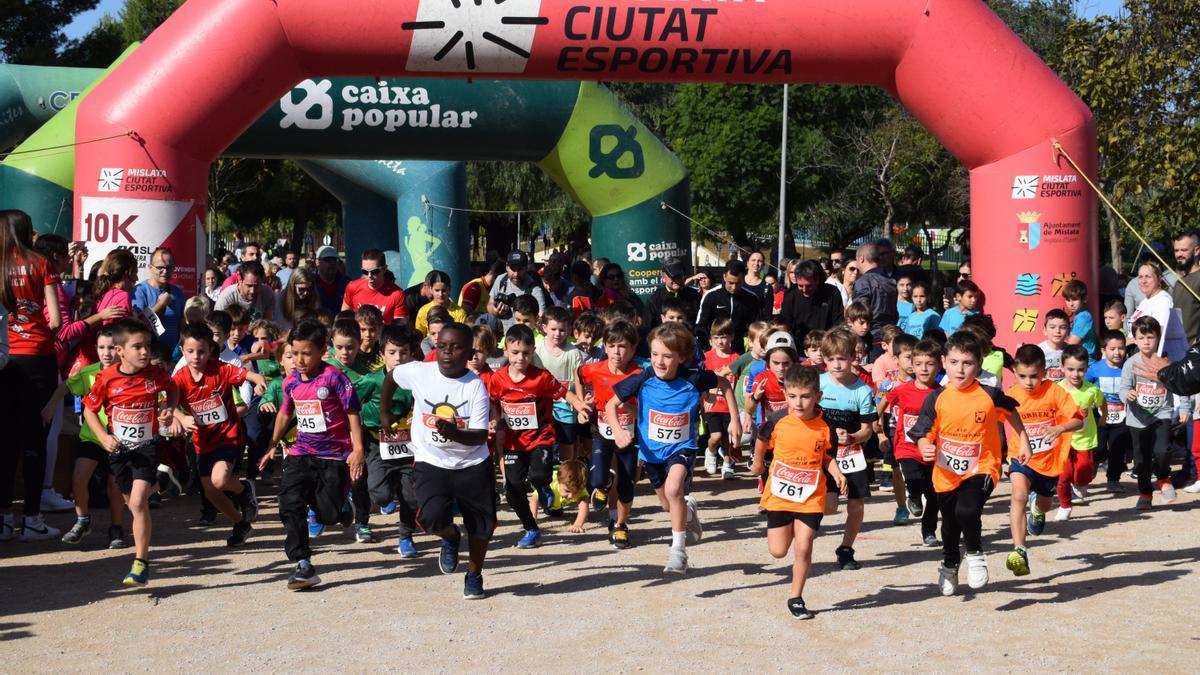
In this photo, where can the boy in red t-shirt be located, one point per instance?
(128, 392)
(719, 359)
(620, 341)
(206, 388)
(523, 397)
(905, 403)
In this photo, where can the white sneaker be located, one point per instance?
(7, 531)
(1078, 494)
(53, 502)
(36, 529)
(977, 570)
(677, 561)
(1064, 514)
(1192, 489)
(695, 529)
(948, 580)
(710, 463)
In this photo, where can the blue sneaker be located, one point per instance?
(315, 529)
(530, 539)
(473, 586)
(407, 548)
(1036, 523)
(389, 508)
(448, 558)
(139, 575)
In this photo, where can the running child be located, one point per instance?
(904, 305)
(1080, 466)
(1083, 326)
(1113, 436)
(620, 340)
(765, 393)
(556, 355)
(899, 346)
(128, 393)
(1049, 416)
(719, 359)
(858, 322)
(1057, 327)
(327, 454)
(812, 350)
(922, 318)
(904, 405)
(668, 402)
(803, 447)
(1148, 417)
(849, 409)
(959, 431)
(347, 358)
(370, 323)
(966, 302)
(206, 388)
(568, 486)
(1114, 316)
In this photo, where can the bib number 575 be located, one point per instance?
(668, 434)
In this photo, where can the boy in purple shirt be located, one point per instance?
(328, 451)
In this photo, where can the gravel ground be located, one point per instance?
(1111, 590)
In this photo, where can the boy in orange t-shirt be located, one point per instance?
(959, 430)
(1049, 415)
(794, 491)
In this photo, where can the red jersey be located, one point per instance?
(905, 403)
(867, 379)
(714, 402)
(526, 407)
(210, 401)
(602, 380)
(430, 357)
(28, 331)
(773, 398)
(389, 299)
(130, 401)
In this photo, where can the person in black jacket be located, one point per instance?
(729, 301)
(674, 272)
(810, 304)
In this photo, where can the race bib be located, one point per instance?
(670, 428)
(133, 425)
(850, 459)
(959, 457)
(1037, 437)
(909, 421)
(607, 431)
(310, 418)
(395, 445)
(1055, 374)
(430, 422)
(792, 484)
(1114, 413)
(1150, 396)
(155, 322)
(210, 411)
(519, 416)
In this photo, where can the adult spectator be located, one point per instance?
(29, 293)
(810, 304)
(674, 274)
(251, 252)
(416, 296)
(1158, 304)
(614, 288)
(473, 297)
(1133, 292)
(212, 282)
(558, 290)
(515, 282)
(250, 292)
(885, 252)
(584, 295)
(375, 289)
(160, 301)
(290, 261)
(911, 264)
(874, 289)
(597, 265)
(842, 279)
(1187, 261)
(729, 301)
(331, 279)
(298, 298)
(754, 281)
(837, 260)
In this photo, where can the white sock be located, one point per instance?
(678, 539)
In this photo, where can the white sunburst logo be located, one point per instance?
(487, 36)
(1024, 187)
(110, 180)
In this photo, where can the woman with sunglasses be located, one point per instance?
(612, 285)
(299, 297)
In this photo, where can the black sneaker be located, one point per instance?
(473, 586)
(116, 537)
(1114, 486)
(798, 610)
(240, 530)
(249, 505)
(845, 558)
(207, 519)
(304, 576)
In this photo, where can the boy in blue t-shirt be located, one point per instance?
(1113, 434)
(849, 409)
(668, 407)
(1083, 326)
(904, 305)
(966, 303)
(921, 318)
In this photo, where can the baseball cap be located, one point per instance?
(517, 260)
(327, 252)
(675, 269)
(780, 339)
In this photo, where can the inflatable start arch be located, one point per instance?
(195, 85)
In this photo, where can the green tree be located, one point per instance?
(31, 32)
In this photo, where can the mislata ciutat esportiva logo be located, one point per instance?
(488, 36)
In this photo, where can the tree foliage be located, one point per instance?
(31, 31)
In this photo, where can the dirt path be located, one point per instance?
(1111, 590)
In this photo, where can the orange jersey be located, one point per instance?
(600, 379)
(1049, 405)
(963, 424)
(795, 480)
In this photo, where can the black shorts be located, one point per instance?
(89, 450)
(387, 479)
(858, 482)
(565, 433)
(226, 453)
(656, 473)
(786, 518)
(472, 488)
(717, 422)
(136, 463)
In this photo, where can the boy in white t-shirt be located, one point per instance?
(1057, 328)
(449, 443)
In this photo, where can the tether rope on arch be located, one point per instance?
(65, 146)
(718, 235)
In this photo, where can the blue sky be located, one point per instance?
(87, 20)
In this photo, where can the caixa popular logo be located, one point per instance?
(636, 251)
(314, 96)
(491, 36)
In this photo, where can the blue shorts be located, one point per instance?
(1039, 484)
(657, 472)
(225, 453)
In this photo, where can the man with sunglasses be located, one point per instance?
(375, 289)
(160, 301)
